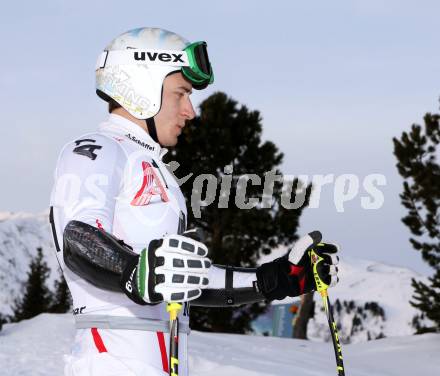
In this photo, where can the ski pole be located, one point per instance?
(173, 309)
(322, 289)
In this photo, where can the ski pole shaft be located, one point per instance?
(322, 289)
(173, 309)
(334, 333)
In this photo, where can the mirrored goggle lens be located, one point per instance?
(202, 59)
(200, 69)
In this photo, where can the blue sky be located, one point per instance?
(334, 82)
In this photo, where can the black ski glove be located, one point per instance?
(292, 274)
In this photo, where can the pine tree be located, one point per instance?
(36, 297)
(62, 300)
(222, 138)
(3, 320)
(416, 153)
(427, 300)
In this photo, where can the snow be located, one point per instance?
(20, 236)
(35, 347)
(367, 281)
(390, 286)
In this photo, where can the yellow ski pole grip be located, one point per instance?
(173, 309)
(315, 259)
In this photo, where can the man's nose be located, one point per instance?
(188, 110)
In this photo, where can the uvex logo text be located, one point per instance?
(153, 56)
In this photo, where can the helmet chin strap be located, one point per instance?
(151, 125)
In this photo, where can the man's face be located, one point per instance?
(176, 109)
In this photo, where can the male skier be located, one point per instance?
(119, 217)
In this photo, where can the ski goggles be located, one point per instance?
(199, 71)
(193, 60)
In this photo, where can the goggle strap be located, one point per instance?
(143, 57)
(194, 60)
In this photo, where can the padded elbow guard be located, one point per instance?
(99, 258)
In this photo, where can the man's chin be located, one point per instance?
(170, 142)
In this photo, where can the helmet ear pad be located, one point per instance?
(151, 125)
(137, 88)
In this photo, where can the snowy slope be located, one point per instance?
(35, 347)
(363, 281)
(20, 236)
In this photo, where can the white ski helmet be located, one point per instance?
(132, 68)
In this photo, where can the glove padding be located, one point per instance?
(292, 274)
(174, 269)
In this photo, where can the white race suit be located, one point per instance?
(114, 179)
